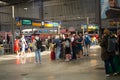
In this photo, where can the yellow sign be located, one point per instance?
(48, 25)
(36, 24)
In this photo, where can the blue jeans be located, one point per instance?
(110, 63)
(86, 49)
(38, 55)
(57, 52)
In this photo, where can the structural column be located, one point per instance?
(13, 26)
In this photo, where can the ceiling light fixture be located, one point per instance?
(25, 8)
(1, 2)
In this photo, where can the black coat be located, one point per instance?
(104, 44)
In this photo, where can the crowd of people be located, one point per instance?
(69, 47)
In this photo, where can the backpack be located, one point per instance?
(67, 43)
(87, 40)
(39, 44)
(111, 44)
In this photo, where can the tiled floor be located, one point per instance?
(86, 68)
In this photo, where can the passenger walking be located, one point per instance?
(17, 46)
(23, 44)
(68, 48)
(49, 42)
(37, 47)
(57, 43)
(80, 46)
(87, 42)
(62, 50)
(74, 47)
(108, 52)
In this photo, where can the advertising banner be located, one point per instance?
(110, 9)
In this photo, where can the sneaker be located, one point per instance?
(115, 74)
(107, 75)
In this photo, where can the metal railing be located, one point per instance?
(6, 49)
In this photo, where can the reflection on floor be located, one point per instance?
(24, 68)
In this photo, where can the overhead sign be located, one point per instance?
(48, 24)
(26, 22)
(35, 24)
(55, 24)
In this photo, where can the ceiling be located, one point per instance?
(14, 2)
(20, 1)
